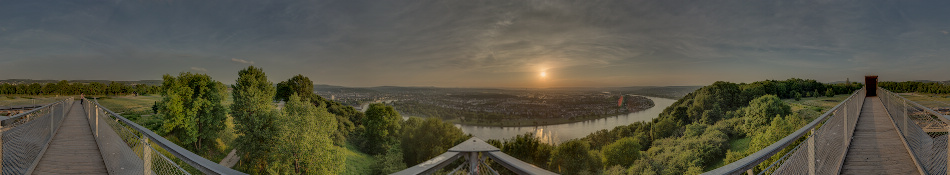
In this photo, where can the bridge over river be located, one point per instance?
(871, 132)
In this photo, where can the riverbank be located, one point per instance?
(559, 133)
(527, 122)
(631, 105)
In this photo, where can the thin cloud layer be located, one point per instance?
(494, 43)
(241, 61)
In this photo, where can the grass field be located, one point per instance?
(737, 145)
(127, 104)
(929, 100)
(15, 100)
(357, 162)
(822, 102)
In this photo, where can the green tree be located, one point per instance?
(779, 128)
(574, 157)
(622, 153)
(760, 112)
(438, 137)
(346, 117)
(830, 92)
(303, 139)
(191, 108)
(382, 128)
(527, 147)
(298, 84)
(798, 96)
(254, 118)
(390, 161)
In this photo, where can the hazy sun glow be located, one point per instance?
(544, 74)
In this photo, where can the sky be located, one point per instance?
(478, 43)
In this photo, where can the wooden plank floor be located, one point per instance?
(73, 149)
(876, 147)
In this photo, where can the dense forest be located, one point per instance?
(64, 87)
(914, 86)
(308, 135)
(691, 136)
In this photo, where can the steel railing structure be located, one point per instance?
(26, 136)
(128, 148)
(476, 155)
(817, 148)
(922, 129)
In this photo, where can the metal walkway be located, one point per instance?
(883, 134)
(73, 149)
(69, 137)
(877, 147)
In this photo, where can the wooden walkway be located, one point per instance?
(73, 149)
(876, 147)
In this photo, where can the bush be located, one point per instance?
(622, 153)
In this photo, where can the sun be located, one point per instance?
(544, 74)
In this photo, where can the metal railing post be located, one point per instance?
(1, 149)
(472, 162)
(146, 156)
(51, 117)
(847, 137)
(906, 119)
(811, 153)
(97, 121)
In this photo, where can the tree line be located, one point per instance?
(690, 136)
(913, 86)
(306, 136)
(64, 87)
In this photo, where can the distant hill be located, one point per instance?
(30, 81)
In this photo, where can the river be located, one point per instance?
(563, 132)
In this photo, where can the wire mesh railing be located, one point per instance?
(128, 148)
(26, 136)
(817, 148)
(922, 129)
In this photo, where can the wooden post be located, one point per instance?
(146, 156)
(811, 153)
(749, 172)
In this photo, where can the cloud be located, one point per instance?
(241, 61)
(199, 69)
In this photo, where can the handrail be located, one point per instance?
(922, 147)
(26, 136)
(204, 165)
(942, 117)
(760, 156)
(5, 121)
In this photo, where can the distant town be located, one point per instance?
(504, 107)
